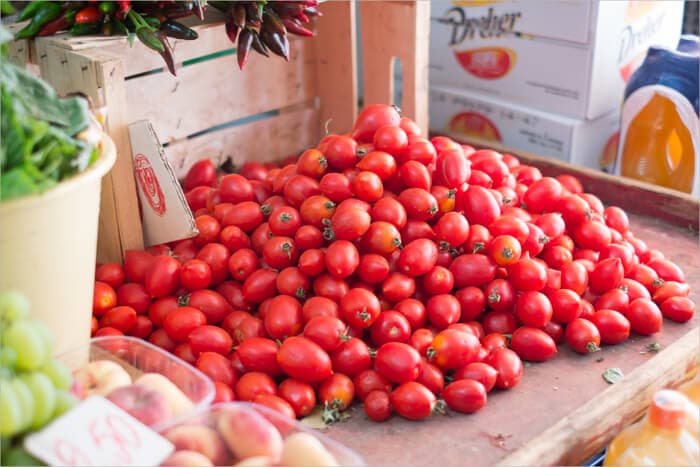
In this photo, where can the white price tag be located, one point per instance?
(98, 433)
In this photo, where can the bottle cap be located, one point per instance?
(667, 409)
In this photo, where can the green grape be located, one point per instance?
(44, 398)
(45, 333)
(23, 337)
(13, 306)
(8, 357)
(26, 401)
(18, 456)
(10, 410)
(58, 373)
(64, 402)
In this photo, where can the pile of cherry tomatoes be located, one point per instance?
(390, 268)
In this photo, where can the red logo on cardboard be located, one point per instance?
(487, 62)
(474, 125)
(148, 182)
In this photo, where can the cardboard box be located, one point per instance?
(463, 114)
(571, 57)
(165, 213)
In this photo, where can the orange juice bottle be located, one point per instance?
(662, 437)
(692, 389)
(660, 129)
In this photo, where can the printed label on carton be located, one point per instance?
(165, 213)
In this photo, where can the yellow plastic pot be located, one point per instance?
(48, 245)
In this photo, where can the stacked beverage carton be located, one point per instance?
(545, 76)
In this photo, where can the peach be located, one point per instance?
(177, 400)
(249, 434)
(257, 461)
(99, 378)
(144, 404)
(187, 459)
(305, 450)
(202, 439)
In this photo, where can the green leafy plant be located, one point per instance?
(38, 128)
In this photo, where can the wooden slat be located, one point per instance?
(216, 91)
(396, 29)
(263, 140)
(100, 76)
(580, 435)
(336, 68)
(635, 196)
(139, 59)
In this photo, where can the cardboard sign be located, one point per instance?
(98, 433)
(165, 213)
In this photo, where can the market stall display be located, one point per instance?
(380, 283)
(373, 249)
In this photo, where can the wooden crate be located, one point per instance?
(212, 110)
(562, 412)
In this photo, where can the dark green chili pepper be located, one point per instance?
(150, 39)
(254, 13)
(245, 41)
(29, 11)
(46, 12)
(167, 52)
(178, 30)
(151, 21)
(258, 45)
(85, 29)
(272, 22)
(107, 7)
(274, 35)
(238, 15)
(70, 15)
(277, 43)
(198, 9)
(120, 27)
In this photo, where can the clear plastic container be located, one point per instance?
(251, 434)
(110, 363)
(663, 437)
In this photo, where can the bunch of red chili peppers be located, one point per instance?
(261, 25)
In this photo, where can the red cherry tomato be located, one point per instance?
(300, 395)
(534, 309)
(304, 360)
(452, 348)
(478, 371)
(533, 344)
(352, 357)
(679, 309)
(398, 362)
(465, 395)
(336, 392)
(217, 367)
(644, 316)
(251, 385)
(377, 406)
(582, 336)
(259, 354)
(508, 365)
(413, 401)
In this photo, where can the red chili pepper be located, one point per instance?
(124, 5)
(54, 26)
(294, 26)
(89, 14)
